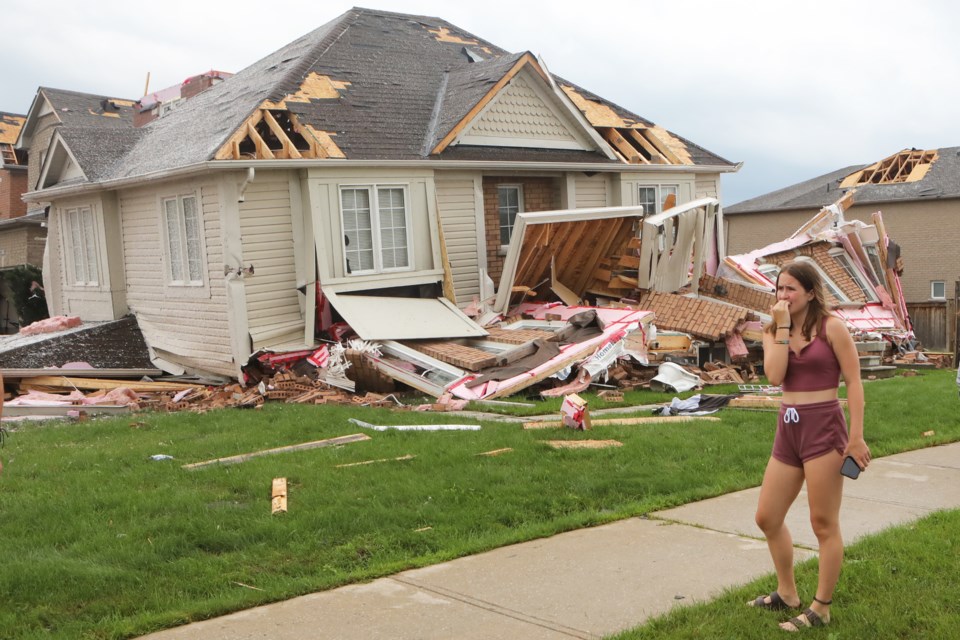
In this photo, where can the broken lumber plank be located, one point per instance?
(80, 373)
(71, 382)
(583, 444)
(355, 437)
(278, 501)
(50, 409)
(357, 464)
(552, 424)
(496, 452)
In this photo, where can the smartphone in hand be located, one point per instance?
(850, 468)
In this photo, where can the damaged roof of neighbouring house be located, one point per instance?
(103, 345)
(906, 175)
(77, 109)
(380, 85)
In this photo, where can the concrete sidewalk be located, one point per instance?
(592, 582)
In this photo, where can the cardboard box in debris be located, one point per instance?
(660, 314)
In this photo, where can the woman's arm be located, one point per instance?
(776, 344)
(846, 352)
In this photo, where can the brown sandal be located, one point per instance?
(776, 603)
(806, 620)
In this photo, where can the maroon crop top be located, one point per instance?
(816, 367)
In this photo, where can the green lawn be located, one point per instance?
(100, 541)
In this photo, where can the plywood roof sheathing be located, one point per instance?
(598, 114)
(315, 87)
(443, 34)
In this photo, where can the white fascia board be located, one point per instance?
(331, 163)
(57, 143)
(33, 114)
(565, 100)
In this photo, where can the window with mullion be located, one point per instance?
(509, 204)
(184, 235)
(81, 235)
(375, 233)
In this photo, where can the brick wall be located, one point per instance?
(735, 293)
(13, 184)
(696, 316)
(539, 194)
(927, 232)
(819, 253)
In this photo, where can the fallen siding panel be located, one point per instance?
(457, 209)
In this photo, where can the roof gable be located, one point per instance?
(520, 111)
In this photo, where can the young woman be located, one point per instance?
(805, 349)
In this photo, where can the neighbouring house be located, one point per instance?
(158, 103)
(918, 193)
(374, 171)
(22, 235)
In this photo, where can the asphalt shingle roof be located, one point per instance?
(397, 67)
(941, 181)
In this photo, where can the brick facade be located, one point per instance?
(23, 245)
(13, 184)
(539, 194)
(819, 253)
(735, 293)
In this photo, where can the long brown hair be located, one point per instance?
(809, 278)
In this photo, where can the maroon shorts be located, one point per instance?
(807, 431)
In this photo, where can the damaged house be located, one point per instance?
(386, 172)
(918, 193)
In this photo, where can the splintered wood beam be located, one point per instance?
(288, 146)
(263, 151)
(661, 146)
(316, 149)
(620, 143)
(655, 156)
(231, 148)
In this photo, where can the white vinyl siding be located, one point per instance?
(81, 247)
(183, 234)
(376, 227)
(274, 315)
(190, 322)
(591, 191)
(457, 207)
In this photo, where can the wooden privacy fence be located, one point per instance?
(935, 323)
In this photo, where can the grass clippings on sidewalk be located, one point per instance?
(101, 541)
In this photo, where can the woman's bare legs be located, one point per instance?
(824, 494)
(781, 485)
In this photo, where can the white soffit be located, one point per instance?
(388, 318)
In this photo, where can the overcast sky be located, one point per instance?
(793, 90)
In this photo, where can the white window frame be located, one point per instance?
(843, 259)
(177, 271)
(933, 289)
(511, 220)
(377, 233)
(661, 191)
(830, 286)
(81, 246)
(770, 271)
